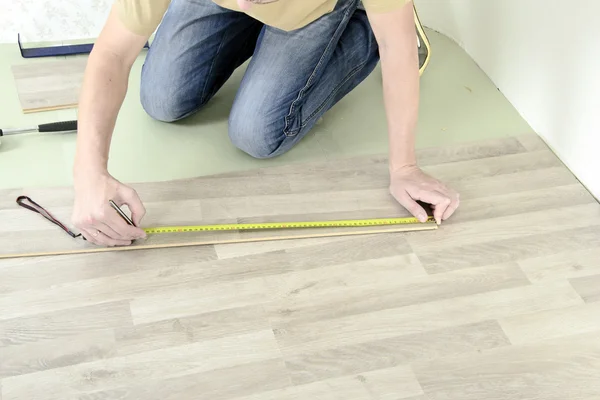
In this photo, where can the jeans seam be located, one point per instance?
(312, 75)
(333, 93)
(212, 66)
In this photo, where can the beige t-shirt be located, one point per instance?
(143, 16)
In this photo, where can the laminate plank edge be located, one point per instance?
(421, 227)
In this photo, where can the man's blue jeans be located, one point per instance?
(292, 79)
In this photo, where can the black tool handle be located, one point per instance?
(63, 126)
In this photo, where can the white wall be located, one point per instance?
(544, 55)
(51, 20)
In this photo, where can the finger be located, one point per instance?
(89, 236)
(439, 202)
(452, 207)
(121, 229)
(108, 222)
(452, 195)
(108, 231)
(100, 238)
(138, 211)
(413, 207)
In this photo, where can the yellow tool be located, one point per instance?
(406, 224)
(287, 225)
(345, 223)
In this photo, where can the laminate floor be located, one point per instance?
(55, 86)
(501, 302)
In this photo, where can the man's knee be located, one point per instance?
(165, 99)
(160, 103)
(254, 136)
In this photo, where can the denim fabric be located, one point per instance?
(292, 78)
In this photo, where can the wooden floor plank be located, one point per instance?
(493, 166)
(143, 368)
(190, 273)
(505, 167)
(56, 353)
(588, 287)
(567, 368)
(106, 289)
(45, 272)
(372, 355)
(352, 249)
(200, 327)
(339, 277)
(182, 302)
(329, 293)
(470, 151)
(286, 204)
(212, 187)
(220, 384)
(516, 249)
(346, 388)
(379, 325)
(510, 227)
(570, 264)
(550, 324)
(236, 250)
(391, 384)
(520, 203)
(49, 86)
(532, 142)
(513, 183)
(71, 321)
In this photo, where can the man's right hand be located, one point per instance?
(97, 221)
(103, 91)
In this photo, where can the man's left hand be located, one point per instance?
(410, 183)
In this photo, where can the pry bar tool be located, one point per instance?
(63, 126)
(58, 50)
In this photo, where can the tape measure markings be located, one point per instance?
(285, 225)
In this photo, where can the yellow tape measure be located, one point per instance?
(287, 225)
(343, 223)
